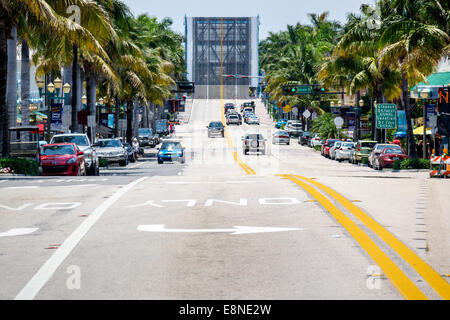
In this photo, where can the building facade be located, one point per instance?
(222, 51)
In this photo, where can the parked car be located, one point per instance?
(332, 151)
(377, 149)
(62, 159)
(147, 138)
(304, 138)
(113, 151)
(362, 150)
(280, 137)
(216, 128)
(254, 142)
(388, 156)
(85, 145)
(315, 141)
(325, 150)
(293, 128)
(131, 154)
(280, 124)
(344, 151)
(352, 152)
(171, 151)
(232, 119)
(253, 120)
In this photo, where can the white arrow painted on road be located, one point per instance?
(17, 232)
(235, 230)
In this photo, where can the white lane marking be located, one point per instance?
(234, 231)
(26, 205)
(18, 232)
(44, 274)
(3, 181)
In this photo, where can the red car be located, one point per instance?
(388, 156)
(63, 159)
(326, 147)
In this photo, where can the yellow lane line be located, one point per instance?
(405, 286)
(439, 284)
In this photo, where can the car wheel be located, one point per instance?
(160, 161)
(123, 163)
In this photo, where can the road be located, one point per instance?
(224, 225)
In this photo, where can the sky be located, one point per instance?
(275, 15)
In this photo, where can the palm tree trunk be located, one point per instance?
(117, 117)
(4, 25)
(412, 152)
(25, 84)
(67, 110)
(11, 94)
(129, 121)
(136, 118)
(91, 89)
(75, 89)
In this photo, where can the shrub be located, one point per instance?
(317, 148)
(20, 166)
(102, 162)
(364, 160)
(412, 164)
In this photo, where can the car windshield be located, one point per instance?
(393, 151)
(171, 145)
(296, 125)
(145, 132)
(216, 125)
(281, 133)
(306, 134)
(78, 140)
(109, 144)
(57, 150)
(368, 144)
(347, 144)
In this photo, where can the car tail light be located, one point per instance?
(341, 149)
(359, 148)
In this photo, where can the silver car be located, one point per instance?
(281, 137)
(333, 149)
(83, 142)
(233, 119)
(294, 128)
(113, 151)
(344, 151)
(254, 142)
(253, 120)
(216, 129)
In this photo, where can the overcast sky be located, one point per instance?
(274, 14)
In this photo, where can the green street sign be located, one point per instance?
(304, 89)
(386, 116)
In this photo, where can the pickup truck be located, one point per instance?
(24, 142)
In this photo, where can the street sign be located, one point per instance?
(287, 109)
(432, 122)
(386, 116)
(91, 121)
(339, 122)
(307, 114)
(295, 111)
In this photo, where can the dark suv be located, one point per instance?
(216, 128)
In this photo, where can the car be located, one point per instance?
(315, 141)
(113, 151)
(377, 149)
(253, 120)
(171, 151)
(250, 105)
(280, 124)
(254, 142)
(85, 145)
(147, 138)
(129, 149)
(352, 152)
(388, 156)
(333, 148)
(294, 128)
(247, 115)
(232, 119)
(281, 137)
(304, 138)
(62, 159)
(229, 107)
(362, 150)
(216, 128)
(325, 149)
(248, 109)
(344, 151)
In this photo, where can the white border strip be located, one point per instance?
(44, 274)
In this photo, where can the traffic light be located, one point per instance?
(319, 89)
(185, 86)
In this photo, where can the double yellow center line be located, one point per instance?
(405, 286)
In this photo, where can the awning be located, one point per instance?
(419, 131)
(432, 85)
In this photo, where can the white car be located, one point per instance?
(253, 120)
(333, 149)
(344, 151)
(315, 141)
(280, 137)
(253, 142)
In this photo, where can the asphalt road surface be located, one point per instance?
(224, 225)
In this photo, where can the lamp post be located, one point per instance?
(424, 95)
(52, 92)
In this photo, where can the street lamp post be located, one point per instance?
(424, 95)
(52, 92)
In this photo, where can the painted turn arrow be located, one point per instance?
(17, 232)
(235, 230)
